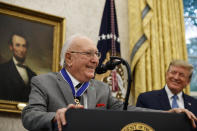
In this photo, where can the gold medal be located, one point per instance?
(77, 101)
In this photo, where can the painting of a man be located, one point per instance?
(15, 75)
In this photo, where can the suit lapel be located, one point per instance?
(187, 102)
(15, 73)
(91, 96)
(65, 89)
(164, 100)
(67, 92)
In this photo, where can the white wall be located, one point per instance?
(82, 16)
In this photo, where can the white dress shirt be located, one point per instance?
(22, 71)
(180, 100)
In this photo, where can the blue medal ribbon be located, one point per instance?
(80, 91)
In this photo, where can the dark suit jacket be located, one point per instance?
(12, 86)
(158, 100)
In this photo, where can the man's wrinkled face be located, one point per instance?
(82, 58)
(19, 48)
(177, 78)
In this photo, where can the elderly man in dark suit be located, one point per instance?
(54, 93)
(178, 76)
(15, 75)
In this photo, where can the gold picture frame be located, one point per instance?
(39, 27)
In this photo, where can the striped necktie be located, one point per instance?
(78, 85)
(79, 97)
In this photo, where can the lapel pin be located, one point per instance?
(189, 104)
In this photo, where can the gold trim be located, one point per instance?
(59, 33)
(135, 126)
(11, 106)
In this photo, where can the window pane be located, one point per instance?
(190, 14)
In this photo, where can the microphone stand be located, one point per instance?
(129, 79)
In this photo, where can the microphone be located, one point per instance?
(110, 65)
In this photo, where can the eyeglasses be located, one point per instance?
(89, 53)
(173, 72)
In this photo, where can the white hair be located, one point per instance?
(66, 46)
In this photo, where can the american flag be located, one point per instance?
(109, 41)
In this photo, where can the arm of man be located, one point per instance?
(47, 105)
(189, 114)
(139, 102)
(35, 115)
(117, 105)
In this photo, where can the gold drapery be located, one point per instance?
(156, 36)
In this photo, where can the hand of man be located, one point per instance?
(60, 115)
(189, 114)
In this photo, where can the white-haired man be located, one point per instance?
(54, 93)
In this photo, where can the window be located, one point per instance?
(190, 17)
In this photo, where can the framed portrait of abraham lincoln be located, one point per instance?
(30, 44)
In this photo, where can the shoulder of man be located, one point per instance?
(190, 98)
(4, 64)
(46, 75)
(97, 82)
(150, 93)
